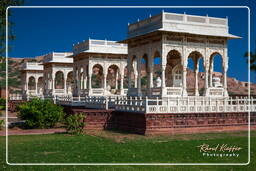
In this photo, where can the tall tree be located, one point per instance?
(252, 59)
(3, 6)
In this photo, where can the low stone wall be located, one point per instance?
(164, 123)
(203, 122)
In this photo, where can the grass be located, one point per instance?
(114, 147)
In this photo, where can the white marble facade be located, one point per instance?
(32, 79)
(173, 38)
(104, 55)
(58, 70)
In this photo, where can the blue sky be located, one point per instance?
(40, 31)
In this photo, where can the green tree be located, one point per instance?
(3, 6)
(252, 59)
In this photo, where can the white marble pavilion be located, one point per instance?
(58, 74)
(101, 59)
(175, 38)
(32, 79)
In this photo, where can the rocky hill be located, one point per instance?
(14, 74)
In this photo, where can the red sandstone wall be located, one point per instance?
(165, 123)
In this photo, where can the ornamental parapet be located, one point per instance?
(100, 46)
(182, 23)
(32, 66)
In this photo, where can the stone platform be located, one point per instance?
(164, 123)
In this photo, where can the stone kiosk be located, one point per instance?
(58, 74)
(32, 79)
(103, 56)
(175, 38)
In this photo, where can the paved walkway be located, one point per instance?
(32, 131)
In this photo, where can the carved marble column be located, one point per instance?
(196, 82)
(206, 81)
(105, 81)
(139, 76)
(79, 81)
(36, 81)
(211, 74)
(225, 84)
(26, 84)
(184, 81)
(116, 80)
(53, 84)
(163, 76)
(129, 72)
(135, 70)
(85, 82)
(135, 79)
(89, 81)
(122, 84)
(75, 87)
(151, 82)
(65, 83)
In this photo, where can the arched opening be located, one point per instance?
(70, 82)
(31, 83)
(173, 73)
(86, 77)
(133, 74)
(125, 77)
(201, 76)
(144, 72)
(157, 73)
(81, 78)
(177, 76)
(216, 70)
(190, 78)
(50, 82)
(40, 85)
(97, 76)
(193, 78)
(76, 77)
(113, 79)
(59, 80)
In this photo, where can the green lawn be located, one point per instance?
(110, 147)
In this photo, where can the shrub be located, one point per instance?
(39, 113)
(2, 103)
(75, 123)
(1, 124)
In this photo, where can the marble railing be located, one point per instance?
(188, 104)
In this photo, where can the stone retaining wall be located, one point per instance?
(164, 123)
